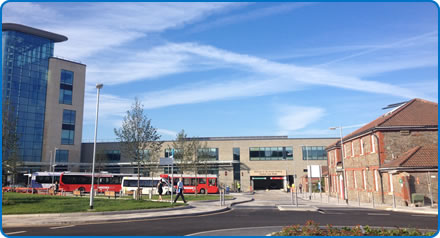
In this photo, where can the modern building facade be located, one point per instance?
(44, 95)
(266, 162)
(388, 159)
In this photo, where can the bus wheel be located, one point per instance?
(81, 189)
(168, 193)
(202, 191)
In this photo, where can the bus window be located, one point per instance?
(176, 180)
(193, 181)
(212, 182)
(186, 181)
(202, 181)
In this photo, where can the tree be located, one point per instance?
(138, 137)
(186, 153)
(10, 149)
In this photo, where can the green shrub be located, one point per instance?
(312, 228)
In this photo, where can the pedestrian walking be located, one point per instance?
(160, 189)
(238, 186)
(300, 188)
(180, 191)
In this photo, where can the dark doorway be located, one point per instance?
(263, 183)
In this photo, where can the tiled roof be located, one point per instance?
(419, 156)
(417, 112)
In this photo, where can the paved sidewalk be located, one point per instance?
(324, 200)
(61, 219)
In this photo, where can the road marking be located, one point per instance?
(378, 214)
(320, 211)
(61, 227)
(15, 232)
(333, 213)
(232, 229)
(424, 215)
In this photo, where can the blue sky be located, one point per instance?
(244, 69)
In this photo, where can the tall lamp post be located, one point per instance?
(342, 160)
(98, 87)
(52, 167)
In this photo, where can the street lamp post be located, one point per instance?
(342, 161)
(309, 173)
(52, 169)
(98, 87)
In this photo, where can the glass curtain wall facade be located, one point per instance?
(25, 61)
(314, 153)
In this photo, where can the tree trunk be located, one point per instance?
(138, 197)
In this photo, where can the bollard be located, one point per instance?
(296, 195)
(291, 195)
(220, 191)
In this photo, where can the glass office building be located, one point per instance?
(25, 64)
(33, 83)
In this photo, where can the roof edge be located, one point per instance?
(33, 31)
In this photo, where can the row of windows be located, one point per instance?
(270, 153)
(66, 82)
(314, 153)
(113, 155)
(62, 156)
(68, 127)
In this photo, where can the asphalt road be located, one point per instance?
(241, 220)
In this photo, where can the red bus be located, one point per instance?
(71, 181)
(205, 182)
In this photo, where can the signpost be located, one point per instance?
(169, 161)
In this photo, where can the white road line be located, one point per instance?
(322, 212)
(15, 232)
(61, 227)
(378, 214)
(424, 215)
(232, 229)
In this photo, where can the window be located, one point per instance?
(373, 144)
(314, 153)
(270, 153)
(355, 180)
(208, 154)
(236, 166)
(66, 87)
(375, 180)
(62, 156)
(352, 148)
(364, 179)
(362, 146)
(113, 155)
(68, 127)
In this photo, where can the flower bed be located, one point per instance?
(313, 229)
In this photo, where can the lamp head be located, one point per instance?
(99, 86)
(332, 128)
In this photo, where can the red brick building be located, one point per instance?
(372, 152)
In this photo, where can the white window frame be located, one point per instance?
(375, 179)
(365, 179)
(373, 144)
(345, 151)
(355, 180)
(346, 177)
(352, 149)
(362, 146)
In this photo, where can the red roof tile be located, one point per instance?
(417, 112)
(419, 156)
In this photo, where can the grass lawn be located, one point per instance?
(19, 203)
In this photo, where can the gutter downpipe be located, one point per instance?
(378, 170)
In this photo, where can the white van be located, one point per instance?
(146, 183)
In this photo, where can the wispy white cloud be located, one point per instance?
(100, 26)
(250, 15)
(294, 118)
(167, 133)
